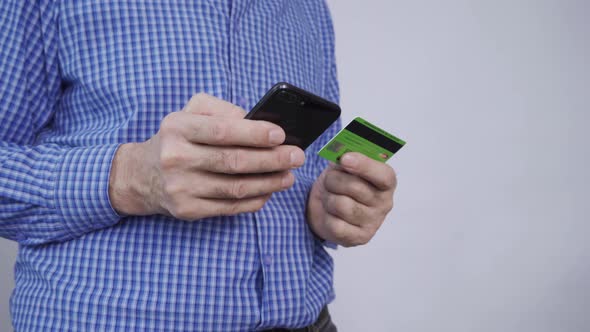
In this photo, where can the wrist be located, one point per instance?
(128, 191)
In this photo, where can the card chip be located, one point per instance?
(335, 146)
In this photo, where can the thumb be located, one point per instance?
(205, 104)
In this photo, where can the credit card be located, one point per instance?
(362, 136)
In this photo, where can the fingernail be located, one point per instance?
(349, 161)
(297, 158)
(275, 136)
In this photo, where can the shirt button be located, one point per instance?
(242, 102)
(267, 260)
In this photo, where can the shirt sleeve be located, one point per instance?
(48, 192)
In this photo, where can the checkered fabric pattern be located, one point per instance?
(80, 77)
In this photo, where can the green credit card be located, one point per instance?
(362, 136)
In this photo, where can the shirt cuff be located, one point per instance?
(82, 189)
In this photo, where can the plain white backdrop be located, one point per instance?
(491, 222)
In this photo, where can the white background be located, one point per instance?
(491, 225)
(490, 228)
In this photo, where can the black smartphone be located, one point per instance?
(302, 115)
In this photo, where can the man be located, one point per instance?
(136, 211)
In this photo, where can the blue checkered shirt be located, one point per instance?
(80, 77)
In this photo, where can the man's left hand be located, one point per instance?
(349, 202)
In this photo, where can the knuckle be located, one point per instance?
(180, 210)
(330, 204)
(196, 103)
(170, 158)
(172, 189)
(234, 161)
(197, 98)
(357, 212)
(237, 190)
(391, 180)
(193, 104)
(218, 131)
(358, 189)
(339, 231)
(215, 160)
(340, 204)
(169, 123)
(363, 238)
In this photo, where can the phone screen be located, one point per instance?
(302, 115)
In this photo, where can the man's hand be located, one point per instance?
(205, 160)
(349, 202)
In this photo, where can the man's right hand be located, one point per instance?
(206, 160)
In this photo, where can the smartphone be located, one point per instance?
(302, 115)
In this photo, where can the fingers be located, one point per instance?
(230, 160)
(348, 222)
(350, 201)
(377, 173)
(345, 234)
(343, 183)
(222, 186)
(205, 104)
(348, 209)
(233, 207)
(203, 208)
(221, 131)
